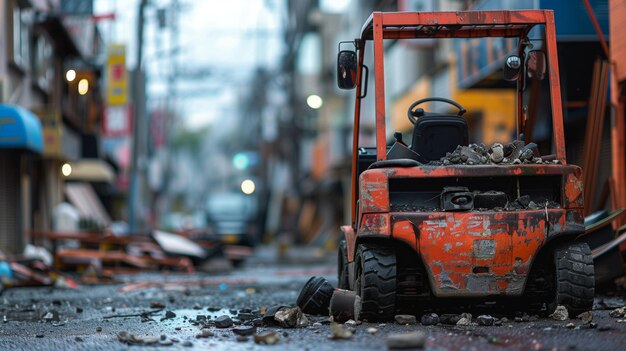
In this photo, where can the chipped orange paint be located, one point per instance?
(403, 230)
(374, 192)
(454, 245)
(574, 190)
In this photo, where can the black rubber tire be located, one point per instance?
(575, 282)
(315, 296)
(343, 278)
(375, 282)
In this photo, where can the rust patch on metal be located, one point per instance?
(573, 191)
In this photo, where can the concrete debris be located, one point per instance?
(560, 313)
(515, 152)
(205, 333)
(244, 330)
(430, 319)
(350, 323)
(371, 330)
(168, 315)
(291, 318)
(485, 320)
(223, 322)
(51, 316)
(157, 304)
(338, 331)
(466, 319)
(130, 339)
(405, 319)
(570, 325)
(414, 340)
(586, 317)
(270, 312)
(618, 312)
(267, 338)
(450, 319)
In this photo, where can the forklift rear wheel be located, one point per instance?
(343, 279)
(376, 281)
(575, 281)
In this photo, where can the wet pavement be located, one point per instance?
(169, 311)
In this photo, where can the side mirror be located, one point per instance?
(512, 67)
(536, 65)
(346, 69)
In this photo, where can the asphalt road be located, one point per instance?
(92, 317)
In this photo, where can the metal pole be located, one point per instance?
(137, 125)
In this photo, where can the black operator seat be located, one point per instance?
(434, 134)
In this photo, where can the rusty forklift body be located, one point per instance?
(396, 256)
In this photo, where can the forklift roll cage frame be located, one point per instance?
(468, 24)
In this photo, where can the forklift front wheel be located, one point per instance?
(575, 281)
(375, 281)
(343, 278)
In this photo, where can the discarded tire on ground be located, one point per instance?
(575, 282)
(315, 296)
(376, 281)
(345, 305)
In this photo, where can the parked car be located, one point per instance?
(233, 216)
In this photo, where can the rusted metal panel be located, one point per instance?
(404, 231)
(475, 170)
(481, 253)
(374, 192)
(379, 85)
(555, 88)
(573, 194)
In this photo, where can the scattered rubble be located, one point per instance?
(485, 320)
(414, 340)
(291, 318)
(270, 312)
(586, 317)
(466, 319)
(267, 338)
(205, 333)
(430, 319)
(339, 331)
(244, 330)
(450, 319)
(223, 322)
(618, 312)
(371, 330)
(405, 319)
(560, 313)
(515, 152)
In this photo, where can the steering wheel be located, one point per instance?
(412, 113)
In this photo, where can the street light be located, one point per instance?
(83, 86)
(247, 186)
(70, 75)
(314, 101)
(66, 169)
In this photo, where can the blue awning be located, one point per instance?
(20, 129)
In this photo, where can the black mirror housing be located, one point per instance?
(346, 69)
(512, 67)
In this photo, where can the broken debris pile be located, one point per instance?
(515, 152)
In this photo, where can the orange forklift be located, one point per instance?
(441, 222)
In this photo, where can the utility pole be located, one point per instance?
(133, 205)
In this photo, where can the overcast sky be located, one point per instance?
(228, 39)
